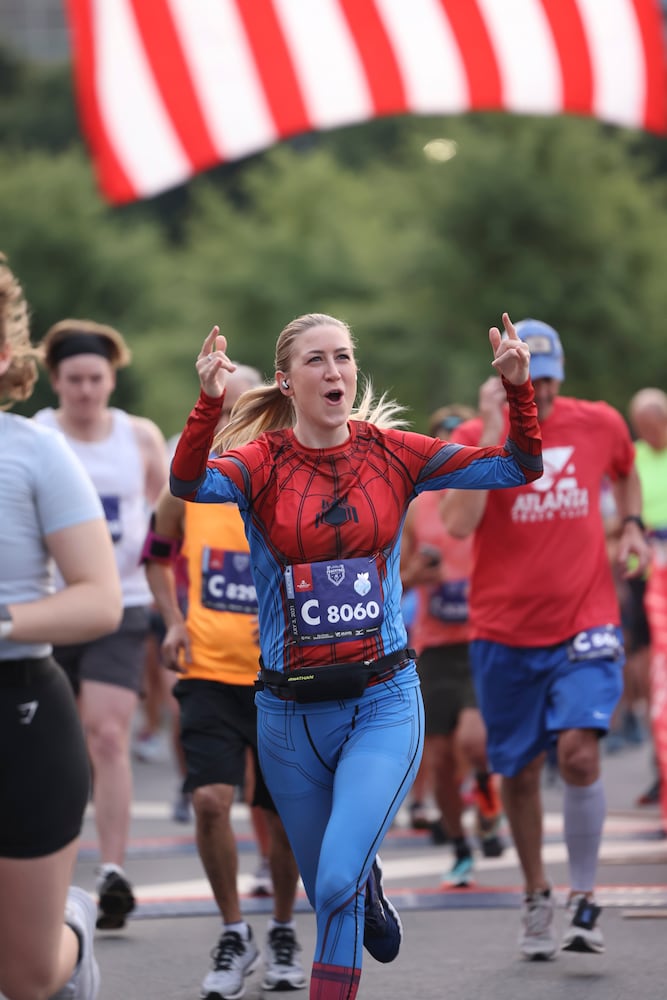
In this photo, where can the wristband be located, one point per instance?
(634, 519)
(159, 548)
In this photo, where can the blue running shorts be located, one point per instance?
(528, 694)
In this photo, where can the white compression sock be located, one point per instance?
(584, 810)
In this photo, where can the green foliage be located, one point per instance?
(37, 108)
(75, 258)
(558, 218)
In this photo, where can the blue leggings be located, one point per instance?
(338, 772)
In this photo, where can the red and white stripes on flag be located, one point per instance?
(167, 88)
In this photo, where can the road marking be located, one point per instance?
(408, 855)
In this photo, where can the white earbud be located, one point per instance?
(285, 384)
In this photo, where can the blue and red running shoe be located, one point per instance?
(383, 930)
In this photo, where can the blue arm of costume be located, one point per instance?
(515, 463)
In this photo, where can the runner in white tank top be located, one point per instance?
(116, 467)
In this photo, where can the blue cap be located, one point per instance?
(546, 350)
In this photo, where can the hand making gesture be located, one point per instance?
(213, 364)
(511, 355)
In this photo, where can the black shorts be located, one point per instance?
(44, 770)
(447, 687)
(218, 724)
(117, 658)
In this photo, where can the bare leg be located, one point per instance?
(262, 829)
(216, 844)
(523, 807)
(106, 713)
(283, 869)
(421, 786)
(447, 781)
(471, 739)
(153, 692)
(38, 951)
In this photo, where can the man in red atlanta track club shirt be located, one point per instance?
(546, 650)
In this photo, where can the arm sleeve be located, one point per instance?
(518, 461)
(188, 466)
(524, 441)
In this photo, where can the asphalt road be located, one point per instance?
(458, 944)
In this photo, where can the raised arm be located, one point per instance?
(188, 465)
(462, 510)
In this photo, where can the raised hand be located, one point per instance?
(511, 355)
(213, 364)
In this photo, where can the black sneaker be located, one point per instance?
(489, 837)
(116, 900)
(383, 930)
(439, 835)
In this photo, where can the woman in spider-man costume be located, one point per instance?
(323, 492)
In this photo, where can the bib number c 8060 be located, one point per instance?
(334, 600)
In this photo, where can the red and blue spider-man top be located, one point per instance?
(324, 526)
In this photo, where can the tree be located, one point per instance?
(558, 218)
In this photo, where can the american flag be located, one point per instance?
(168, 88)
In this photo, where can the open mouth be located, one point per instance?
(335, 395)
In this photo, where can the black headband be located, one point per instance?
(81, 343)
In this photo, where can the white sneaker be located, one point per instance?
(233, 960)
(582, 934)
(283, 970)
(80, 913)
(149, 749)
(536, 939)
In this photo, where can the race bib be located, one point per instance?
(226, 582)
(334, 600)
(599, 643)
(449, 602)
(111, 506)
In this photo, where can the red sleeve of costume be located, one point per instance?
(525, 436)
(188, 465)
